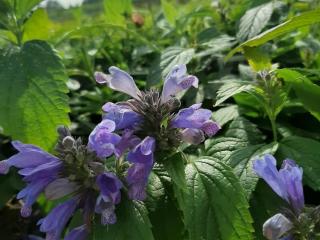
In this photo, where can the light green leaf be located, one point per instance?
(132, 223)
(116, 11)
(241, 162)
(215, 206)
(33, 94)
(23, 7)
(257, 59)
(226, 114)
(169, 12)
(305, 151)
(307, 91)
(231, 88)
(254, 20)
(304, 19)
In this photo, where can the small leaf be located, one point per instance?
(231, 88)
(307, 92)
(132, 223)
(241, 162)
(254, 20)
(305, 152)
(33, 94)
(215, 206)
(257, 59)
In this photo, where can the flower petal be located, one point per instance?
(60, 188)
(276, 226)
(78, 233)
(193, 136)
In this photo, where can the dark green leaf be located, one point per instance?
(175, 167)
(215, 206)
(305, 152)
(226, 114)
(33, 94)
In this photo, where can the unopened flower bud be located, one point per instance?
(276, 226)
(63, 131)
(68, 142)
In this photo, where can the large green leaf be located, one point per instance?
(33, 98)
(254, 20)
(304, 19)
(132, 223)
(307, 91)
(305, 152)
(226, 114)
(215, 206)
(241, 162)
(23, 7)
(175, 167)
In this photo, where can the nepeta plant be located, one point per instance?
(297, 221)
(136, 132)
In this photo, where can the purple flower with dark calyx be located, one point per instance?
(287, 182)
(176, 81)
(54, 223)
(122, 115)
(78, 233)
(128, 141)
(137, 177)
(118, 80)
(276, 227)
(195, 117)
(109, 186)
(102, 140)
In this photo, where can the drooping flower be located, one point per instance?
(276, 227)
(286, 182)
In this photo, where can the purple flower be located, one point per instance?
(276, 227)
(137, 177)
(195, 117)
(109, 186)
(102, 140)
(54, 223)
(79, 233)
(106, 208)
(128, 141)
(176, 81)
(38, 167)
(60, 188)
(287, 182)
(118, 80)
(122, 115)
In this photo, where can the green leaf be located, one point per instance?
(307, 91)
(33, 94)
(38, 26)
(244, 129)
(215, 206)
(241, 162)
(305, 152)
(117, 10)
(231, 88)
(169, 11)
(257, 59)
(175, 167)
(304, 19)
(226, 114)
(132, 223)
(254, 20)
(169, 58)
(23, 7)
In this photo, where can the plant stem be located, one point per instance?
(274, 127)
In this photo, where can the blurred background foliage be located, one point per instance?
(48, 45)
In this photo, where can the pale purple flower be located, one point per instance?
(128, 141)
(78, 233)
(102, 140)
(118, 80)
(54, 223)
(122, 115)
(109, 186)
(176, 81)
(193, 136)
(106, 208)
(287, 182)
(276, 227)
(60, 188)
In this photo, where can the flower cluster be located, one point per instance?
(297, 222)
(132, 132)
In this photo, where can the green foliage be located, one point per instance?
(34, 100)
(219, 207)
(116, 11)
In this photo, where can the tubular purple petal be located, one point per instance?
(60, 188)
(193, 136)
(109, 186)
(78, 233)
(276, 227)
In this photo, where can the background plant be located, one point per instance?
(258, 67)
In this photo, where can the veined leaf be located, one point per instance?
(305, 152)
(33, 98)
(132, 223)
(231, 88)
(23, 7)
(307, 91)
(226, 114)
(241, 162)
(175, 167)
(215, 206)
(304, 19)
(254, 20)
